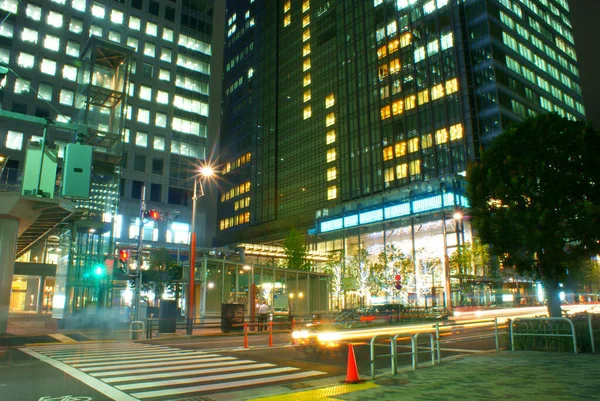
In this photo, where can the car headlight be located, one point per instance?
(328, 337)
(296, 335)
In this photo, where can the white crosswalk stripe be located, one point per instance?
(130, 371)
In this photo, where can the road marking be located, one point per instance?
(218, 386)
(111, 357)
(229, 360)
(137, 365)
(188, 373)
(103, 351)
(116, 364)
(174, 382)
(319, 394)
(96, 384)
(62, 338)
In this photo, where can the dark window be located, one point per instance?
(139, 163)
(137, 4)
(169, 13)
(136, 189)
(157, 166)
(19, 108)
(178, 196)
(39, 112)
(154, 7)
(148, 70)
(155, 192)
(122, 189)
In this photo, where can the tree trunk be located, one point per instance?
(551, 288)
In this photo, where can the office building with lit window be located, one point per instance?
(162, 132)
(354, 120)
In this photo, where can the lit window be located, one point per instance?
(145, 93)
(287, 6)
(456, 132)
(386, 112)
(306, 64)
(400, 149)
(384, 91)
(331, 155)
(451, 86)
(134, 23)
(149, 49)
(415, 167)
(72, 49)
(305, 6)
(159, 142)
(114, 36)
(437, 92)
(329, 100)
(52, 43)
(410, 102)
(433, 47)
(143, 116)
(330, 137)
(392, 27)
(393, 46)
(160, 120)
(382, 52)
(397, 107)
(331, 193)
(306, 79)
(165, 54)
(76, 25)
(33, 12)
(441, 136)
(423, 97)
(419, 54)
(307, 95)
(388, 153)
(45, 92)
(133, 42)
(401, 170)
(330, 119)
(307, 112)
(167, 34)
(4, 55)
(305, 20)
(306, 49)
(151, 29)
(388, 175)
(331, 174)
(141, 139)
(79, 5)
(7, 29)
(48, 67)
(21, 86)
(55, 19)
(26, 60)
(98, 10)
(95, 30)
(29, 35)
(66, 97)
(405, 39)
(164, 75)
(116, 17)
(306, 35)
(447, 41)
(394, 66)
(14, 140)
(413, 145)
(287, 19)
(426, 141)
(383, 71)
(162, 97)
(69, 73)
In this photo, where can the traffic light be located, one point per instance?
(153, 214)
(124, 255)
(99, 270)
(398, 280)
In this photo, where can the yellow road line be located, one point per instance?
(320, 394)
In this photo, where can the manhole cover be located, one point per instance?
(392, 382)
(297, 386)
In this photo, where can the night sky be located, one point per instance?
(585, 18)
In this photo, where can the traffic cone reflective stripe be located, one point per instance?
(352, 369)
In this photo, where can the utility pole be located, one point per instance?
(138, 271)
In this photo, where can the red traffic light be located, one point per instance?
(124, 255)
(154, 215)
(398, 277)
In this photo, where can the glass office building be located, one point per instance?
(354, 120)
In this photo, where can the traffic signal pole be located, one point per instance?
(192, 266)
(138, 270)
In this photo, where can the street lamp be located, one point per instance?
(205, 172)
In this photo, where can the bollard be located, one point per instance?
(245, 335)
(496, 334)
(270, 334)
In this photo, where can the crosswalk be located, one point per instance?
(135, 371)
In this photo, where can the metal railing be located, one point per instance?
(134, 328)
(530, 329)
(414, 352)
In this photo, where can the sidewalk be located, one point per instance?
(527, 376)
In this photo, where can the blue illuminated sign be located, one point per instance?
(332, 225)
(400, 210)
(371, 216)
(351, 221)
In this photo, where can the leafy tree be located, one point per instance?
(535, 197)
(163, 275)
(360, 266)
(430, 273)
(469, 261)
(295, 251)
(391, 262)
(334, 267)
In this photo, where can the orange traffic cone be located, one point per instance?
(352, 369)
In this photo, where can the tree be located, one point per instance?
(334, 267)
(430, 273)
(391, 262)
(535, 197)
(361, 269)
(163, 275)
(295, 251)
(466, 263)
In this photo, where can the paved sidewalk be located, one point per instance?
(527, 376)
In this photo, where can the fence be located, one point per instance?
(553, 328)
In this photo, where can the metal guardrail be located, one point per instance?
(545, 333)
(134, 328)
(394, 351)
